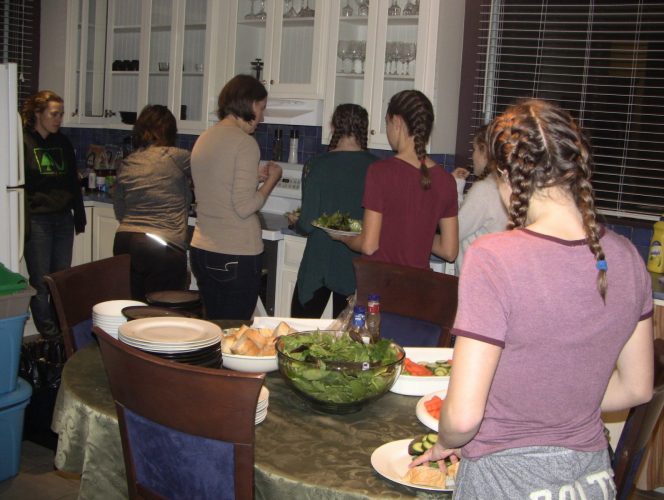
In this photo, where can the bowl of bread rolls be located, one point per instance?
(251, 349)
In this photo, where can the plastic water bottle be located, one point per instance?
(373, 317)
(358, 329)
(656, 252)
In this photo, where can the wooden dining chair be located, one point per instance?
(76, 290)
(187, 431)
(417, 306)
(637, 432)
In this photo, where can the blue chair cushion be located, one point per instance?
(179, 465)
(82, 333)
(408, 332)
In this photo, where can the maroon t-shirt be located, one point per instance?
(410, 213)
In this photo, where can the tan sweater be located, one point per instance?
(224, 168)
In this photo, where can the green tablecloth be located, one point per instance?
(300, 454)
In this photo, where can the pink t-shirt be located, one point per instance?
(410, 214)
(536, 297)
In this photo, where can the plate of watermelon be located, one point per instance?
(428, 409)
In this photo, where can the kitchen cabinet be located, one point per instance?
(104, 226)
(82, 249)
(288, 45)
(372, 57)
(289, 255)
(124, 54)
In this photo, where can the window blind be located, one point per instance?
(19, 42)
(601, 60)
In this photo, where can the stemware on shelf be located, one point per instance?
(354, 53)
(363, 8)
(342, 51)
(409, 54)
(251, 15)
(394, 9)
(362, 54)
(409, 9)
(290, 10)
(347, 11)
(261, 15)
(306, 11)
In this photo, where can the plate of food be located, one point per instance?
(428, 409)
(425, 370)
(391, 461)
(338, 224)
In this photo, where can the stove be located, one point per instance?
(287, 194)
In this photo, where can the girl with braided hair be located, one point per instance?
(481, 211)
(331, 182)
(407, 197)
(565, 330)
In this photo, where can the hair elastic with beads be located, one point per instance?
(601, 265)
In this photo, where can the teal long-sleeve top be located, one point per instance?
(331, 182)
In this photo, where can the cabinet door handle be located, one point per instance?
(75, 112)
(373, 132)
(271, 82)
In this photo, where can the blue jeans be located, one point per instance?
(48, 249)
(229, 284)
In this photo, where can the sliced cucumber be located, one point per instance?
(431, 437)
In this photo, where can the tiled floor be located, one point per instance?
(37, 479)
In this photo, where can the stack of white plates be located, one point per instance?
(170, 334)
(261, 406)
(108, 315)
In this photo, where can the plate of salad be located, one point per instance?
(338, 224)
(426, 370)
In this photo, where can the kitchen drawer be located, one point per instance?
(293, 251)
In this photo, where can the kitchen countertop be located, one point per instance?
(275, 226)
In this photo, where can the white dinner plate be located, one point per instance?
(412, 385)
(171, 331)
(423, 415)
(335, 232)
(391, 461)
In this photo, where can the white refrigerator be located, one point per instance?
(12, 203)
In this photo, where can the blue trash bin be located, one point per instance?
(11, 337)
(12, 408)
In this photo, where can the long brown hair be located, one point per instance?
(350, 120)
(416, 111)
(540, 145)
(36, 103)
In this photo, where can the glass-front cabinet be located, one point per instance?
(130, 53)
(281, 41)
(377, 49)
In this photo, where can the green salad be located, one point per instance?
(339, 221)
(339, 369)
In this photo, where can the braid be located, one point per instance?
(540, 146)
(349, 120)
(417, 113)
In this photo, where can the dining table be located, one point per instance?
(300, 453)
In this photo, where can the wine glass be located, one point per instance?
(409, 9)
(410, 52)
(362, 54)
(396, 54)
(251, 15)
(354, 54)
(342, 52)
(261, 15)
(394, 9)
(388, 57)
(290, 11)
(363, 8)
(306, 11)
(347, 11)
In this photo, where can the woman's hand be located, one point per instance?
(460, 173)
(267, 169)
(437, 453)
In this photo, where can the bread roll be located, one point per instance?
(257, 338)
(426, 476)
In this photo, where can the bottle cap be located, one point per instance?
(374, 297)
(359, 310)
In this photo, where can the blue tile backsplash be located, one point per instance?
(309, 145)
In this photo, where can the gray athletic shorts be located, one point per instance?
(537, 473)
